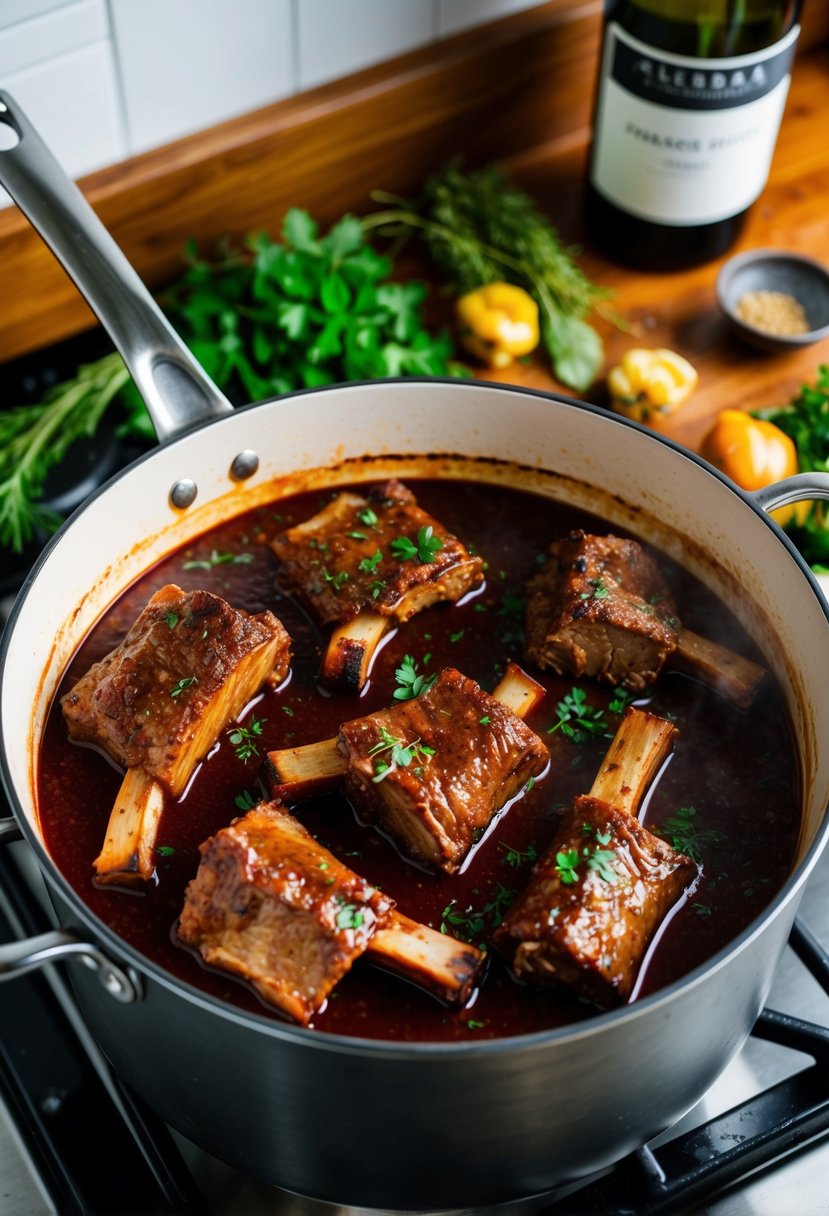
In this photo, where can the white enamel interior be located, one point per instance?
(593, 460)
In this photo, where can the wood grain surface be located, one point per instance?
(518, 91)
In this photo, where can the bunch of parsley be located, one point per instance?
(272, 316)
(806, 422)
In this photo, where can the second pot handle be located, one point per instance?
(177, 391)
(799, 488)
(19, 958)
(9, 831)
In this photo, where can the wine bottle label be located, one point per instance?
(685, 141)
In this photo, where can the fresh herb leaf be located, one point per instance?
(684, 833)
(401, 753)
(219, 559)
(245, 801)
(244, 738)
(566, 867)
(578, 720)
(369, 564)
(349, 916)
(165, 850)
(182, 685)
(337, 580)
(423, 549)
(411, 684)
(515, 857)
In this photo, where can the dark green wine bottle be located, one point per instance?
(689, 103)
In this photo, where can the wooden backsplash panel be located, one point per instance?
(487, 94)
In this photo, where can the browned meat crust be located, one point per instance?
(341, 564)
(601, 608)
(468, 756)
(186, 668)
(271, 905)
(591, 933)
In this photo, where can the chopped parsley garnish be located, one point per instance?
(165, 850)
(183, 684)
(567, 866)
(172, 619)
(245, 801)
(686, 836)
(368, 517)
(349, 916)
(401, 753)
(515, 857)
(457, 635)
(621, 698)
(219, 559)
(411, 684)
(422, 549)
(600, 590)
(470, 923)
(244, 738)
(336, 580)
(578, 720)
(377, 587)
(369, 564)
(485, 720)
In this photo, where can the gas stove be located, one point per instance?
(73, 1139)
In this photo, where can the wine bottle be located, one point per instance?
(689, 103)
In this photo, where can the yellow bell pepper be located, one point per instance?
(497, 322)
(753, 453)
(648, 385)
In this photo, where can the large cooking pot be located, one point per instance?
(350, 1120)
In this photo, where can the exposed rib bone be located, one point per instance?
(299, 772)
(303, 771)
(351, 650)
(449, 969)
(518, 691)
(736, 678)
(633, 759)
(126, 858)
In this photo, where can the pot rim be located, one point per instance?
(347, 1044)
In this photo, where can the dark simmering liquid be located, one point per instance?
(732, 780)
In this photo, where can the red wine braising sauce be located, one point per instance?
(733, 778)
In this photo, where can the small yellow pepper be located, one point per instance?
(648, 385)
(753, 453)
(750, 451)
(497, 322)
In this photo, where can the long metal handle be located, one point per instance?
(19, 958)
(792, 489)
(176, 390)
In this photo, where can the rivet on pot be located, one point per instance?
(244, 465)
(183, 492)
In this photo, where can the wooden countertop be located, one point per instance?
(679, 310)
(518, 92)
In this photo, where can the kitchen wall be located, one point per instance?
(104, 79)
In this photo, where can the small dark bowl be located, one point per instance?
(773, 270)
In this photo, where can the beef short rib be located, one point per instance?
(274, 907)
(365, 553)
(601, 608)
(186, 668)
(433, 771)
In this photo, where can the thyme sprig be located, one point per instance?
(478, 229)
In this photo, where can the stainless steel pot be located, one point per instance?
(356, 1121)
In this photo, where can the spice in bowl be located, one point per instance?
(772, 312)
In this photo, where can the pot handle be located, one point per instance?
(792, 489)
(9, 831)
(176, 390)
(18, 958)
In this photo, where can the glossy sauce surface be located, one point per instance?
(732, 781)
